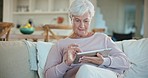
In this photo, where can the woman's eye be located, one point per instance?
(77, 20)
(86, 21)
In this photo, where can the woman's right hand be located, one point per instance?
(70, 54)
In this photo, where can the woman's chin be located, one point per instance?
(82, 34)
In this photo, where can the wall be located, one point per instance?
(114, 14)
(112, 11)
(138, 17)
(7, 12)
(146, 18)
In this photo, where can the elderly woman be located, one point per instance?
(60, 59)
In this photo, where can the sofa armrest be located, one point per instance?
(14, 60)
(137, 52)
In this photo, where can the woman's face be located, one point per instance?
(81, 24)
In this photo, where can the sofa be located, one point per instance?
(26, 59)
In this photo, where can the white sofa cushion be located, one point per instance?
(43, 49)
(119, 44)
(137, 51)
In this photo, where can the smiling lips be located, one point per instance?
(80, 29)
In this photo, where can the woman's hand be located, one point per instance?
(95, 60)
(70, 54)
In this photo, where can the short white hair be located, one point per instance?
(79, 7)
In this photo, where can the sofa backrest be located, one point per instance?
(14, 61)
(137, 52)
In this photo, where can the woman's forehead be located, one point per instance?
(85, 15)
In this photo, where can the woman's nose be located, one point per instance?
(82, 25)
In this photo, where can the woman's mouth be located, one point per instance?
(81, 29)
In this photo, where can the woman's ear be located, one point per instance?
(71, 19)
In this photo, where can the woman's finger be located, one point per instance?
(95, 60)
(77, 49)
(73, 46)
(86, 59)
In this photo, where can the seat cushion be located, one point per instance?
(137, 51)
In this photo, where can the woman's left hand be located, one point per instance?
(95, 60)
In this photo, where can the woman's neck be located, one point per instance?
(76, 36)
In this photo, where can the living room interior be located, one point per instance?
(113, 17)
(23, 53)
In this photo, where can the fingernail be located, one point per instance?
(83, 57)
(79, 60)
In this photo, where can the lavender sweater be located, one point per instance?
(56, 68)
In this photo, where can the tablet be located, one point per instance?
(103, 52)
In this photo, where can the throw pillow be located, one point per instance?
(43, 49)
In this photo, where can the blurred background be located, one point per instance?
(116, 17)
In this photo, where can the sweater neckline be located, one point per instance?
(82, 38)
